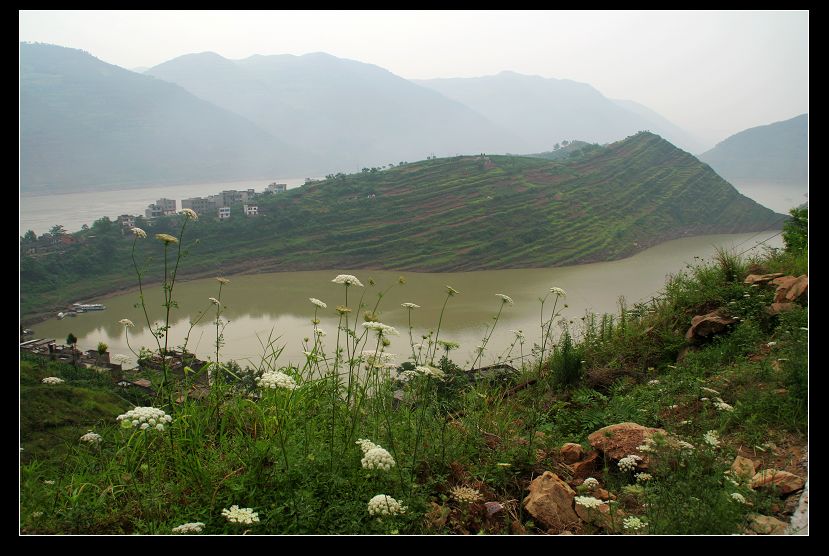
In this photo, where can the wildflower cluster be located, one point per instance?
(410, 306)
(318, 303)
(166, 238)
(377, 458)
(245, 516)
(190, 214)
(52, 380)
(347, 279)
(382, 505)
(504, 298)
(642, 477)
(558, 291)
(365, 444)
(738, 497)
(588, 501)
(139, 233)
(722, 406)
(214, 301)
(276, 379)
(629, 463)
(91, 437)
(448, 344)
(189, 528)
(126, 322)
(375, 359)
(466, 495)
(144, 418)
(590, 483)
(647, 446)
(633, 523)
(222, 281)
(381, 329)
(430, 371)
(711, 438)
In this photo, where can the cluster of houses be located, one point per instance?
(216, 205)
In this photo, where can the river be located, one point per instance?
(277, 304)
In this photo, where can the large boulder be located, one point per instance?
(761, 278)
(777, 308)
(765, 525)
(550, 502)
(743, 468)
(601, 517)
(624, 439)
(790, 288)
(783, 481)
(587, 467)
(709, 324)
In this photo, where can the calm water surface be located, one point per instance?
(276, 305)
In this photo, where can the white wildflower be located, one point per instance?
(633, 523)
(383, 505)
(140, 417)
(366, 445)
(771, 344)
(451, 291)
(722, 406)
(430, 371)
(629, 463)
(448, 344)
(318, 303)
(276, 379)
(410, 306)
(48, 482)
(504, 298)
(190, 214)
(588, 501)
(711, 438)
(245, 516)
(221, 280)
(347, 279)
(682, 445)
(214, 301)
(738, 497)
(189, 528)
(52, 380)
(381, 329)
(709, 390)
(139, 233)
(653, 382)
(558, 291)
(466, 495)
(126, 322)
(377, 458)
(319, 332)
(92, 438)
(590, 483)
(642, 477)
(166, 238)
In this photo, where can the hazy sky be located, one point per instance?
(713, 73)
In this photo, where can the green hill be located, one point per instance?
(452, 214)
(777, 152)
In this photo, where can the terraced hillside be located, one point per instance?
(461, 213)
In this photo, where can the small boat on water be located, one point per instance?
(84, 307)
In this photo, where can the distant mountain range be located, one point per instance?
(545, 111)
(86, 124)
(774, 153)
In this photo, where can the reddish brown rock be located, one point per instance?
(790, 288)
(743, 468)
(550, 502)
(602, 517)
(777, 308)
(571, 452)
(765, 525)
(783, 481)
(761, 278)
(623, 439)
(586, 467)
(703, 326)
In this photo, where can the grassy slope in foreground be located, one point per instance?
(456, 214)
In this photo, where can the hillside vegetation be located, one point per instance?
(359, 441)
(462, 213)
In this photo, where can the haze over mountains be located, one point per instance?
(777, 152)
(86, 124)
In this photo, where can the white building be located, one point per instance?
(251, 210)
(224, 212)
(277, 187)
